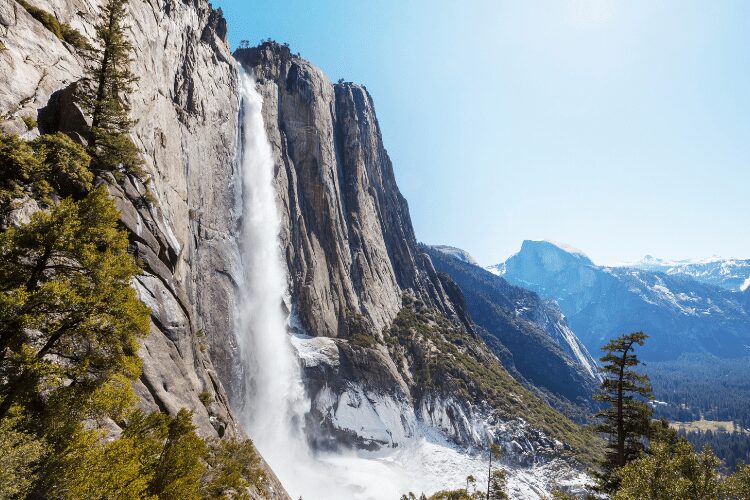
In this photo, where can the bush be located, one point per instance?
(234, 466)
(20, 453)
(29, 121)
(17, 165)
(62, 31)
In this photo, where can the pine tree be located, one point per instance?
(626, 416)
(104, 92)
(496, 478)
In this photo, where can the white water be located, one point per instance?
(275, 403)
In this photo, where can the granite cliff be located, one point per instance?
(372, 313)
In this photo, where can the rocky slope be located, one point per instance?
(680, 314)
(378, 325)
(529, 335)
(185, 111)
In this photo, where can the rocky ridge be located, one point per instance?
(529, 335)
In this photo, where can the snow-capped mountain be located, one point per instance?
(680, 313)
(457, 253)
(732, 274)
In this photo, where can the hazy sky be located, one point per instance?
(621, 128)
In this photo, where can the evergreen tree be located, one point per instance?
(626, 416)
(180, 466)
(69, 319)
(496, 477)
(21, 454)
(670, 471)
(103, 94)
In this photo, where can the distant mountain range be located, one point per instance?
(529, 335)
(732, 274)
(684, 307)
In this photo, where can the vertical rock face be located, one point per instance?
(185, 108)
(347, 235)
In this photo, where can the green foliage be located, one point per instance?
(49, 163)
(205, 398)
(62, 31)
(29, 121)
(64, 164)
(70, 325)
(90, 467)
(69, 318)
(21, 453)
(440, 355)
(498, 483)
(109, 80)
(359, 331)
(626, 416)
(18, 164)
(737, 485)
(670, 471)
(180, 466)
(112, 151)
(233, 467)
(455, 495)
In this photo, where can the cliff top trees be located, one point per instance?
(626, 417)
(104, 92)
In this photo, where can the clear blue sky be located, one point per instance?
(621, 128)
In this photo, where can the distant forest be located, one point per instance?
(703, 386)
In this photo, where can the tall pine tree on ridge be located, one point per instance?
(626, 417)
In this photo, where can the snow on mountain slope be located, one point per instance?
(732, 274)
(682, 312)
(457, 253)
(529, 334)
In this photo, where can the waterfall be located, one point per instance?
(274, 404)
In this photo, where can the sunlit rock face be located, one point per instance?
(680, 313)
(347, 236)
(352, 255)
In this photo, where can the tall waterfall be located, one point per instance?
(274, 405)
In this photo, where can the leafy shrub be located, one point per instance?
(234, 466)
(65, 164)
